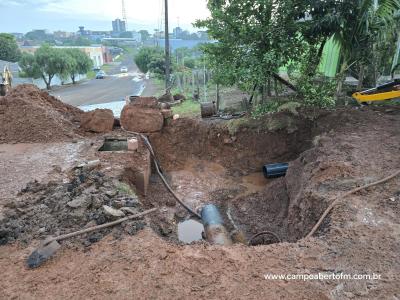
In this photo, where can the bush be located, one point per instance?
(146, 56)
(317, 92)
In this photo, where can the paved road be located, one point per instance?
(114, 87)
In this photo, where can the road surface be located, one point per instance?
(115, 87)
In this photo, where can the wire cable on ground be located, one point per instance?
(337, 200)
(264, 233)
(159, 172)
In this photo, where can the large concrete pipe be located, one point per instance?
(214, 229)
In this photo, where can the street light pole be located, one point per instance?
(167, 52)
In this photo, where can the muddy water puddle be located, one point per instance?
(198, 178)
(190, 231)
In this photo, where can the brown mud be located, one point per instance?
(330, 152)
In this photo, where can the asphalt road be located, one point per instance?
(115, 87)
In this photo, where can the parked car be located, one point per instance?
(124, 69)
(96, 69)
(100, 75)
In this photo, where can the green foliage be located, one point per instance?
(145, 35)
(80, 63)
(8, 48)
(145, 56)
(317, 92)
(126, 189)
(48, 62)
(187, 108)
(313, 88)
(79, 41)
(255, 38)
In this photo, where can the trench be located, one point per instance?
(229, 176)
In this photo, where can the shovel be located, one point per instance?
(50, 245)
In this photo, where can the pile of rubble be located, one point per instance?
(87, 198)
(28, 114)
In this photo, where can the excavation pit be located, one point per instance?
(210, 167)
(114, 145)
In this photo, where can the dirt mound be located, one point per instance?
(58, 208)
(98, 120)
(28, 114)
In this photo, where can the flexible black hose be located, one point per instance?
(148, 145)
(264, 233)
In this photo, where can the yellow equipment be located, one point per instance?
(383, 92)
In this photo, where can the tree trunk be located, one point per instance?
(73, 79)
(360, 78)
(285, 82)
(341, 77)
(47, 82)
(218, 98)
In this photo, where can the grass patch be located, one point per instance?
(106, 68)
(188, 108)
(91, 75)
(124, 188)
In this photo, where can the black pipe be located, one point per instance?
(275, 170)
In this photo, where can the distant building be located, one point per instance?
(118, 26)
(93, 35)
(203, 35)
(63, 34)
(177, 32)
(124, 41)
(98, 54)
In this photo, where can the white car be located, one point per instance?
(124, 69)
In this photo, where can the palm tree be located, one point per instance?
(359, 36)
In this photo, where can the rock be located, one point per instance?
(179, 97)
(111, 194)
(133, 144)
(167, 113)
(176, 117)
(166, 98)
(164, 105)
(99, 120)
(143, 120)
(129, 210)
(113, 212)
(78, 202)
(145, 102)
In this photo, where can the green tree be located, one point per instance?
(145, 35)
(363, 29)
(46, 63)
(80, 63)
(8, 48)
(147, 55)
(255, 38)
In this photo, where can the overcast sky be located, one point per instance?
(25, 15)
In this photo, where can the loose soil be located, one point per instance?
(28, 114)
(220, 162)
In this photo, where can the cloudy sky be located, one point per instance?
(25, 15)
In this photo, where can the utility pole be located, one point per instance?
(167, 55)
